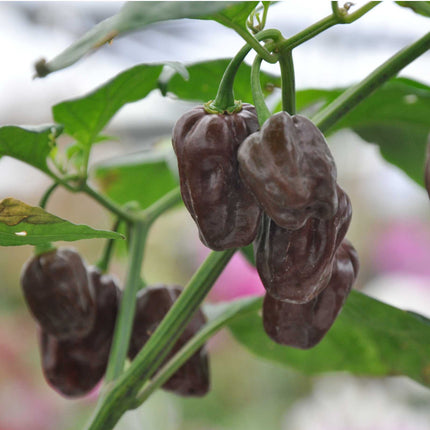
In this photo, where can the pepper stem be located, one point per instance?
(288, 81)
(224, 101)
(263, 112)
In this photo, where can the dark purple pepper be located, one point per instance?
(225, 211)
(153, 303)
(289, 168)
(304, 325)
(295, 265)
(58, 292)
(427, 167)
(74, 367)
(70, 376)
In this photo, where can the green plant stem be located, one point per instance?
(346, 18)
(251, 40)
(62, 182)
(104, 261)
(236, 309)
(324, 24)
(47, 194)
(124, 324)
(263, 112)
(224, 100)
(310, 32)
(172, 198)
(327, 117)
(108, 204)
(262, 23)
(139, 231)
(288, 81)
(122, 394)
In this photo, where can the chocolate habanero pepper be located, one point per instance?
(74, 367)
(225, 211)
(303, 326)
(427, 167)
(58, 292)
(295, 265)
(153, 303)
(289, 168)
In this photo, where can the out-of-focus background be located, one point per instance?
(390, 226)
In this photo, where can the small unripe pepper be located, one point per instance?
(295, 265)
(74, 367)
(304, 325)
(289, 168)
(225, 211)
(58, 292)
(153, 303)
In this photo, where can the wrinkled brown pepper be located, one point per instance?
(295, 265)
(427, 167)
(289, 168)
(74, 367)
(225, 211)
(58, 292)
(192, 379)
(304, 325)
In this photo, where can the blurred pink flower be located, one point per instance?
(403, 247)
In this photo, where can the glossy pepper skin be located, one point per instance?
(225, 211)
(427, 167)
(289, 168)
(74, 367)
(192, 379)
(58, 292)
(295, 265)
(303, 326)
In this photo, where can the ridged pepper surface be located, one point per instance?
(225, 211)
(74, 367)
(58, 292)
(295, 265)
(304, 325)
(153, 303)
(289, 168)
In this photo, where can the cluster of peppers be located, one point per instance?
(76, 308)
(276, 187)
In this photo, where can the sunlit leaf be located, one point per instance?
(136, 16)
(21, 224)
(235, 15)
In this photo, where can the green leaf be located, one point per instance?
(421, 7)
(368, 338)
(134, 16)
(85, 117)
(235, 15)
(395, 117)
(204, 79)
(143, 177)
(21, 224)
(29, 144)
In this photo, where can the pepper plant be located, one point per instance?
(398, 339)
